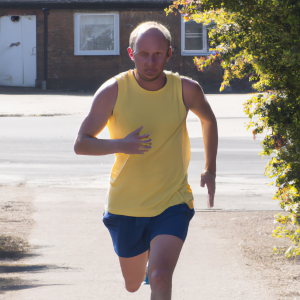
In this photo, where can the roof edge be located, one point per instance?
(73, 4)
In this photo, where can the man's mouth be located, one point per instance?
(150, 71)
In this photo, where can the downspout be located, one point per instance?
(46, 13)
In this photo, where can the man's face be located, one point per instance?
(151, 54)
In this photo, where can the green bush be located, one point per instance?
(261, 40)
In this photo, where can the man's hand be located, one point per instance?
(134, 143)
(209, 179)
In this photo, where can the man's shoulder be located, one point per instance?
(188, 81)
(107, 92)
(112, 83)
(191, 91)
(108, 86)
(122, 76)
(190, 85)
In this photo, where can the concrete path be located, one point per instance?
(74, 258)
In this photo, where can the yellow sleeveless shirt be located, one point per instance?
(144, 185)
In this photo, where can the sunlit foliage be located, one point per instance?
(260, 40)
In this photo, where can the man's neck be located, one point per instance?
(154, 85)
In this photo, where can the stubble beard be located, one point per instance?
(148, 79)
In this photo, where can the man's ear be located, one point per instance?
(130, 53)
(169, 54)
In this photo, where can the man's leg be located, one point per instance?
(133, 270)
(164, 254)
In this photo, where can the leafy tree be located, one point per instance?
(260, 39)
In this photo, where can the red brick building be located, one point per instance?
(80, 44)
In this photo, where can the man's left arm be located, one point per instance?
(196, 101)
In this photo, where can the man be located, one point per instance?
(149, 203)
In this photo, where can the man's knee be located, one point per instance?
(160, 279)
(132, 286)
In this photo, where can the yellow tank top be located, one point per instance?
(144, 185)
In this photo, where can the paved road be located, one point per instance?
(38, 151)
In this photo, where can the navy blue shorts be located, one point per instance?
(131, 236)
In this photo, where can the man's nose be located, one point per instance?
(150, 60)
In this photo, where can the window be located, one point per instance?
(96, 34)
(194, 38)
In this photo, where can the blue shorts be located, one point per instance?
(131, 236)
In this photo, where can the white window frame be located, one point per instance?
(204, 51)
(77, 50)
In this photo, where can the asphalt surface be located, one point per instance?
(38, 151)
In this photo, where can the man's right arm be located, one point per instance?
(87, 142)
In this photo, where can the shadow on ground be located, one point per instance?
(15, 284)
(13, 247)
(15, 255)
(4, 269)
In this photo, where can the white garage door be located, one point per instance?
(18, 50)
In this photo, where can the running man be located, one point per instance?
(149, 203)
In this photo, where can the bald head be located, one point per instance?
(149, 29)
(153, 36)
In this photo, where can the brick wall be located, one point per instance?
(67, 71)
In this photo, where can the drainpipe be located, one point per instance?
(46, 13)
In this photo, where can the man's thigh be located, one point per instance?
(133, 270)
(164, 253)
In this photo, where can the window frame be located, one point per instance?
(77, 50)
(184, 52)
